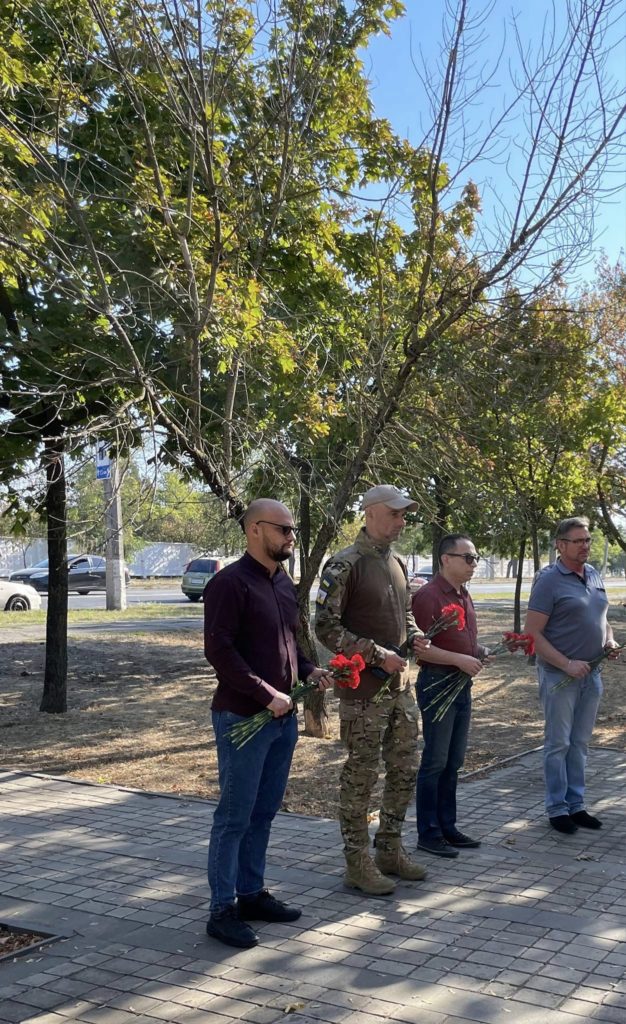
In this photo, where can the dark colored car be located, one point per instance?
(418, 578)
(197, 574)
(24, 575)
(85, 573)
(426, 572)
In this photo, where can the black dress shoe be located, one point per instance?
(229, 929)
(563, 823)
(457, 838)
(585, 820)
(438, 846)
(265, 907)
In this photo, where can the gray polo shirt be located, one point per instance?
(576, 607)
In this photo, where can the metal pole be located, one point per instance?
(115, 575)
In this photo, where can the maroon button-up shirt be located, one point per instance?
(250, 622)
(427, 604)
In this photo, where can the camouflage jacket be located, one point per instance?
(364, 606)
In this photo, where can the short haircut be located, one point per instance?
(448, 543)
(574, 523)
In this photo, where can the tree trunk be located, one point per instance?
(440, 523)
(316, 721)
(517, 612)
(315, 714)
(54, 697)
(534, 533)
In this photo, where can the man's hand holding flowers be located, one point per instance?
(393, 662)
(322, 677)
(577, 669)
(420, 644)
(282, 703)
(468, 665)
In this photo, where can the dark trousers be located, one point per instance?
(445, 743)
(252, 785)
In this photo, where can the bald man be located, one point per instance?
(250, 622)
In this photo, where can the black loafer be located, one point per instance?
(225, 926)
(457, 838)
(585, 820)
(439, 846)
(265, 907)
(563, 823)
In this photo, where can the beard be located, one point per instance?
(280, 554)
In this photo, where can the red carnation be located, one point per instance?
(451, 615)
(347, 671)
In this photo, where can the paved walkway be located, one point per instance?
(530, 929)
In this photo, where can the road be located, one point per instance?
(170, 593)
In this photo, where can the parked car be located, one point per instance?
(18, 597)
(418, 578)
(85, 573)
(197, 574)
(24, 575)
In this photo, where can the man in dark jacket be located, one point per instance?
(250, 621)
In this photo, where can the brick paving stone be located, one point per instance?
(615, 999)
(418, 1015)
(134, 1004)
(543, 984)
(600, 982)
(43, 998)
(567, 974)
(467, 982)
(263, 1015)
(512, 977)
(496, 988)
(481, 972)
(612, 1014)
(43, 1018)
(576, 1007)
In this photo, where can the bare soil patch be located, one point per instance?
(139, 715)
(12, 942)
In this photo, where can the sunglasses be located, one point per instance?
(286, 530)
(578, 541)
(470, 559)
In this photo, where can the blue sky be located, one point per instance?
(399, 95)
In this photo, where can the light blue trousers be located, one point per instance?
(570, 715)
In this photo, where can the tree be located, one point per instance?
(605, 307)
(195, 194)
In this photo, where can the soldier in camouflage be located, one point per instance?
(364, 606)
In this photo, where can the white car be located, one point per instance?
(18, 597)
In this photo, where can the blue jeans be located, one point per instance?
(252, 785)
(445, 743)
(570, 715)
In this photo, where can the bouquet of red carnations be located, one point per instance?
(455, 681)
(346, 673)
(451, 615)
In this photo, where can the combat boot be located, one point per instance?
(392, 859)
(363, 874)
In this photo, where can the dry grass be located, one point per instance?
(139, 715)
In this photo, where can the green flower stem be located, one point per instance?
(240, 733)
(456, 690)
(565, 680)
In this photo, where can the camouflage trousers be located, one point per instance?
(367, 730)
